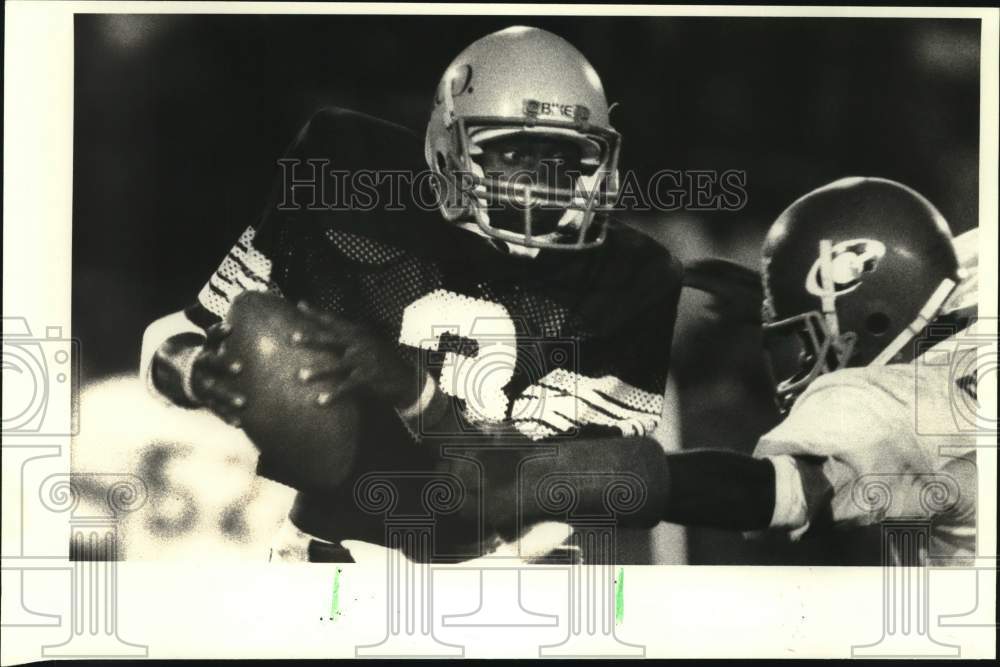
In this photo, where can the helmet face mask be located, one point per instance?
(585, 203)
(513, 165)
(819, 351)
(523, 82)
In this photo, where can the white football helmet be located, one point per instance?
(523, 80)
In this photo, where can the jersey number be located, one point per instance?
(477, 380)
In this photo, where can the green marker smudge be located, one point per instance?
(335, 603)
(620, 596)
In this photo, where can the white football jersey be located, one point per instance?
(892, 442)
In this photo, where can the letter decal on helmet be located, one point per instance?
(576, 112)
(461, 83)
(849, 261)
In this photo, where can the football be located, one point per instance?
(305, 439)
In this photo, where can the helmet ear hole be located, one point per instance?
(878, 324)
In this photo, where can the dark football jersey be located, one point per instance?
(561, 344)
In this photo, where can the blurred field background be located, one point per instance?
(179, 120)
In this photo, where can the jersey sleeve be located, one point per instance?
(854, 456)
(641, 322)
(629, 293)
(649, 327)
(243, 268)
(305, 244)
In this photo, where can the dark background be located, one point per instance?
(180, 119)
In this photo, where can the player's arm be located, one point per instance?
(635, 312)
(169, 347)
(276, 254)
(180, 351)
(183, 359)
(517, 488)
(180, 358)
(175, 348)
(713, 488)
(312, 270)
(844, 438)
(803, 474)
(811, 471)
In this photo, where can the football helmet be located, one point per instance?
(855, 269)
(523, 80)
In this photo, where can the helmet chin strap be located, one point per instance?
(829, 298)
(927, 313)
(517, 250)
(501, 246)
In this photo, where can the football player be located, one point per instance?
(527, 313)
(856, 276)
(862, 274)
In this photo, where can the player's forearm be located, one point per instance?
(430, 414)
(168, 347)
(513, 483)
(719, 489)
(630, 479)
(624, 478)
(170, 373)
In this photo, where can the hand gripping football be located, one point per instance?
(306, 439)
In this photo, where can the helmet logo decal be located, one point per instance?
(849, 261)
(461, 83)
(576, 112)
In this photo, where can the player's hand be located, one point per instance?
(215, 376)
(360, 360)
(252, 373)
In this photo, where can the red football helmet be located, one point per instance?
(855, 269)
